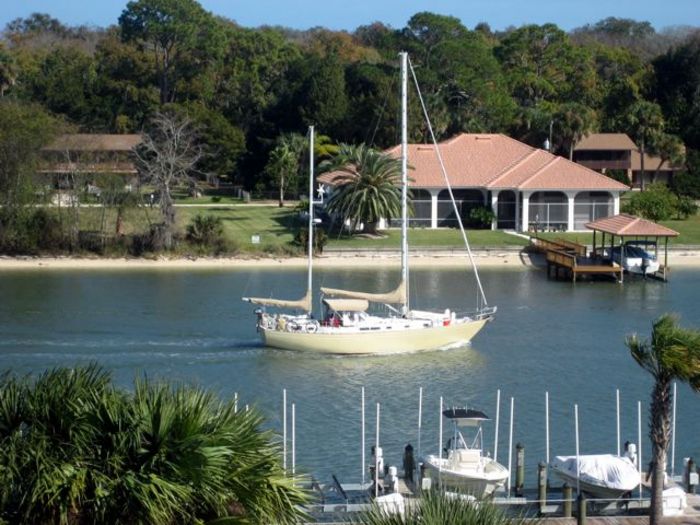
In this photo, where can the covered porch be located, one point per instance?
(558, 211)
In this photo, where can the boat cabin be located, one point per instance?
(344, 312)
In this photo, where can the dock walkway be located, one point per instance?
(572, 259)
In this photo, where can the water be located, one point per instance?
(191, 326)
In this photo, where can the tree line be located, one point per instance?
(247, 89)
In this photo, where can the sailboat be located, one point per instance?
(346, 326)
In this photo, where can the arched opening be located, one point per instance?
(548, 211)
(505, 210)
(466, 200)
(590, 206)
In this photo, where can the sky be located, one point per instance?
(349, 14)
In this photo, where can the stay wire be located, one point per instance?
(449, 187)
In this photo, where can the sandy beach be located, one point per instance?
(486, 258)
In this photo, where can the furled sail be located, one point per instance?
(302, 304)
(397, 296)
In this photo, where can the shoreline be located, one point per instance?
(483, 258)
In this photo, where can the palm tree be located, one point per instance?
(284, 162)
(438, 508)
(645, 121)
(367, 187)
(574, 121)
(669, 148)
(672, 354)
(74, 449)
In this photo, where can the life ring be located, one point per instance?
(311, 328)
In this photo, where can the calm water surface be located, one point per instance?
(191, 325)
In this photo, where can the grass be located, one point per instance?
(276, 228)
(443, 238)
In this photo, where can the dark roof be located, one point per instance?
(94, 142)
(605, 142)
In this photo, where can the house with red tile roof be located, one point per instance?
(526, 187)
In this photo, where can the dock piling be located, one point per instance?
(542, 486)
(581, 510)
(519, 469)
(567, 495)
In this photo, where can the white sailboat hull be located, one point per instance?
(384, 342)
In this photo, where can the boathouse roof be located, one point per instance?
(625, 225)
(94, 142)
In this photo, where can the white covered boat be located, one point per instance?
(347, 326)
(604, 476)
(464, 468)
(635, 257)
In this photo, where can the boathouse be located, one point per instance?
(526, 187)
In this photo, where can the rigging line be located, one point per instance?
(379, 118)
(447, 182)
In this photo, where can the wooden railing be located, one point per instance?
(561, 258)
(559, 245)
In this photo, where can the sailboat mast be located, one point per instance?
(310, 236)
(404, 176)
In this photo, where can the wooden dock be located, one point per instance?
(571, 259)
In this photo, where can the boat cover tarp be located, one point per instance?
(347, 305)
(302, 304)
(605, 470)
(397, 296)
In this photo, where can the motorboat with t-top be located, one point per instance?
(462, 467)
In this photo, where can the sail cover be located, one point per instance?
(604, 470)
(397, 296)
(346, 305)
(302, 304)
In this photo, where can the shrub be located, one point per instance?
(685, 207)
(481, 217)
(320, 239)
(206, 231)
(656, 203)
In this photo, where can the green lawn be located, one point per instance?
(276, 228)
(443, 238)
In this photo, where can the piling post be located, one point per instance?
(690, 476)
(567, 495)
(519, 469)
(542, 485)
(581, 510)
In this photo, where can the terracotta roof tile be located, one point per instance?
(495, 161)
(626, 225)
